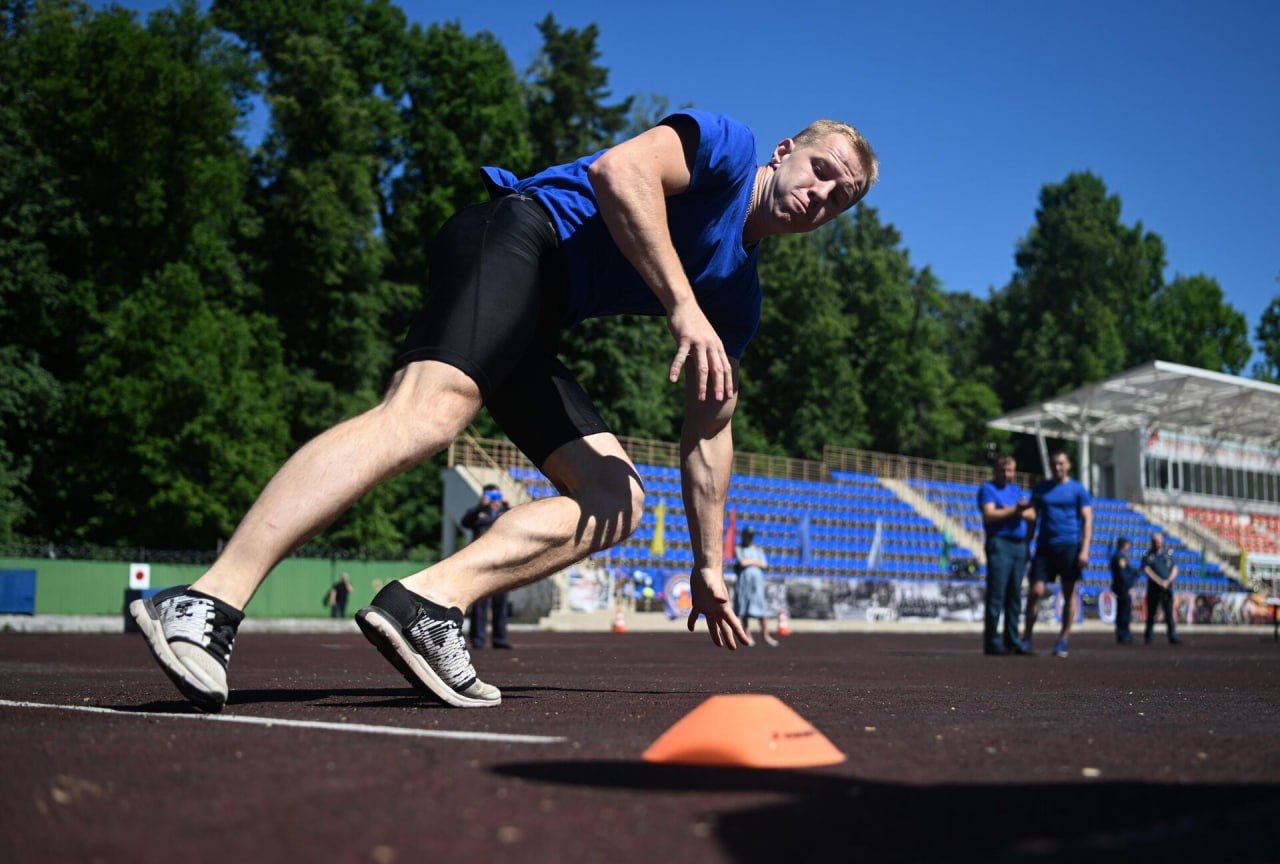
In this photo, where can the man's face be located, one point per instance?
(1124, 549)
(1005, 473)
(1061, 467)
(814, 184)
(1157, 542)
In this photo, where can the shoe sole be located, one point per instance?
(199, 692)
(383, 632)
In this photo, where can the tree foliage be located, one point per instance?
(180, 309)
(1268, 338)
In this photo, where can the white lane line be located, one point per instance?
(302, 724)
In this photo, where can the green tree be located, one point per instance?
(184, 398)
(1075, 310)
(898, 344)
(1191, 323)
(464, 109)
(800, 387)
(1268, 339)
(129, 130)
(567, 91)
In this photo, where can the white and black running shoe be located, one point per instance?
(423, 640)
(190, 634)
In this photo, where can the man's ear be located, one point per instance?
(784, 148)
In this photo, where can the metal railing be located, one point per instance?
(91, 552)
(897, 467)
(501, 453)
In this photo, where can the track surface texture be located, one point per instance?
(952, 756)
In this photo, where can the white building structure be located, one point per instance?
(1170, 436)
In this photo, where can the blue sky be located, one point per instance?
(973, 107)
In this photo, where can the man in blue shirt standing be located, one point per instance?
(667, 223)
(1005, 513)
(1064, 517)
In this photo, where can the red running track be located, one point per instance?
(952, 755)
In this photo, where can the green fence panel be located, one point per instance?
(297, 588)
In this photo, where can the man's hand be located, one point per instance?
(710, 598)
(697, 339)
(1083, 559)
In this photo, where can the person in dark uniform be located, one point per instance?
(1123, 575)
(338, 595)
(1005, 513)
(1160, 571)
(477, 520)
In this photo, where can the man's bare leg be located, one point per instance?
(427, 405)
(1069, 601)
(1035, 592)
(600, 504)
(764, 634)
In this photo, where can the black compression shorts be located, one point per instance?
(1056, 562)
(494, 310)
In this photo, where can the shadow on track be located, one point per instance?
(825, 814)
(506, 690)
(407, 697)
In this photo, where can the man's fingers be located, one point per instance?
(693, 619)
(727, 636)
(682, 353)
(715, 633)
(717, 374)
(738, 628)
(703, 369)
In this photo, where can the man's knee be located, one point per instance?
(429, 404)
(616, 503)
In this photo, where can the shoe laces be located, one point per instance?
(440, 641)
(199, 620)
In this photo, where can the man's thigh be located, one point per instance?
(438, 393)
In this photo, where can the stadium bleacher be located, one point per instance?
(842, 525)
(842, 516)
(1254, 532)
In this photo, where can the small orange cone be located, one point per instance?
(784, 623)
(747, 731)
(619, 623)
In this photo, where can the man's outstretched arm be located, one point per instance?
(706, 462)
(632, 182)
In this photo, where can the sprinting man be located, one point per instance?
(666, 223)
(1064, 517)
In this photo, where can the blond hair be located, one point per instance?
(816, 131)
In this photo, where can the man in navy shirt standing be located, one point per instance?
(1064, 517)
(1122, 579)
(1160, 570)
(667, 223)
(478, 520)
(1005, 513)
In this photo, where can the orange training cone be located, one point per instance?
(619, 623)
(784, 623)
(745, 731)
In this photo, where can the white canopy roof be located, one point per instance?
(1157, 395)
